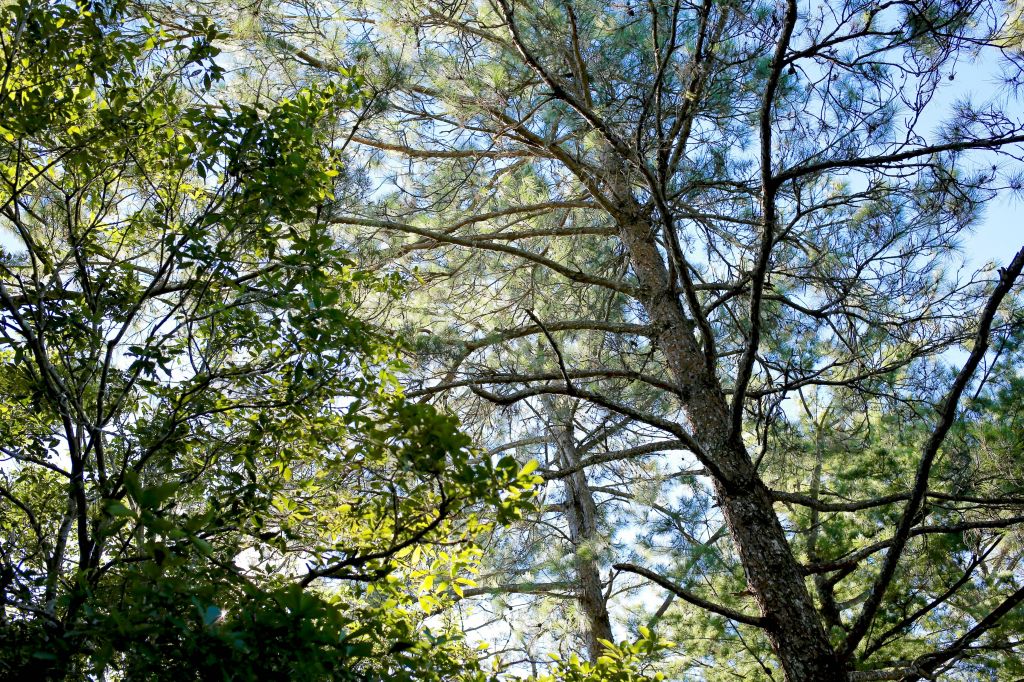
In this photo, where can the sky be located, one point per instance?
(999, 234)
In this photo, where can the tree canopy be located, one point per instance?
(198, 427)
(485, 340)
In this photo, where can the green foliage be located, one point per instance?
(622, 662)
(209, 470)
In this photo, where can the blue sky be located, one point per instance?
(999, 235)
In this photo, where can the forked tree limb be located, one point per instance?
(947, 416)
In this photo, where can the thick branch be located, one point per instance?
(768, 190)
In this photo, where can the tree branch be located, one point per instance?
(687, 596)
(947, 415)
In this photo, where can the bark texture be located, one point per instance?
(773, 574)
(581, 515)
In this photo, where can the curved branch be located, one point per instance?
(886, 159)
(569, 273)
(850, 561)
(769, 187)
(687, 596)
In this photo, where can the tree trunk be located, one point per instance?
(581, 515)
(773, 574)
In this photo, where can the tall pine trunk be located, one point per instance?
(773, 574)
(581, 516)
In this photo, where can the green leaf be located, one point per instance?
(117, 508)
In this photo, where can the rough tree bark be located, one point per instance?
(773, 574)
(774, 577)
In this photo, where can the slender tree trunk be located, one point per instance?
(581, 514)
(773, 574)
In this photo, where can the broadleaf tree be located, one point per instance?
(207, 469)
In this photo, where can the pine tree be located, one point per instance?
(762, 196)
